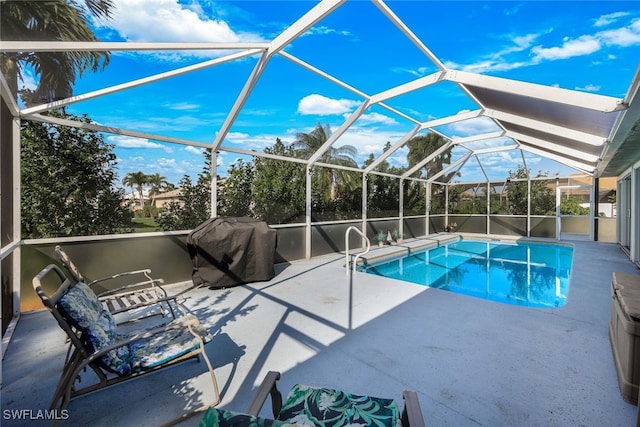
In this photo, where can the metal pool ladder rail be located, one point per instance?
(346, 245)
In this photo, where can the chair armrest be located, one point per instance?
(133, 287)
(411, 414)
(267, 387)
(146, 272)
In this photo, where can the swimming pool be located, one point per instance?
(521, 273)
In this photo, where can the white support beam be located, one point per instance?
(583, 167)
(427, 159)
(8, 97)
(481, 137)
(481, 167)
(392, 149)
(116, 131)
(490, 150)
(338, 133)
(308, 20)
(561, 131)
(462, 160)
(241, 99)
(550, 146)
(537, 91)
(139, 82)
(466, 115)
(411, 86)
(69, 46)
(261, 154)
(321, 73)
(408, 33)
(624, 125)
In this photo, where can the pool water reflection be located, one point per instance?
(521, 273)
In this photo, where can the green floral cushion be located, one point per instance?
(83, 309)
(326, 407)
(160, 348)
(80, 305)
(215, 417)
(102, 334)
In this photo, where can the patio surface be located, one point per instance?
(473, 362)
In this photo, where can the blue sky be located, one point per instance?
(592, 46)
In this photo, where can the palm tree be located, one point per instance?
(422, 146)
(137, 180)
(158, 183)
(332, 181)
(66, 20)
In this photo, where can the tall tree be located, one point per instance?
(235, 198)
(421, 147)
(278, 187)
(137, 180)
(68, 179)
(51, 20)
(158, 184)
(191, 210)
(542, 197)
(330, 182)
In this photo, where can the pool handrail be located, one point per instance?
(346, 245)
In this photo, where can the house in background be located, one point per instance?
(163, 199)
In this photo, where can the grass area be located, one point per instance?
(145, 225)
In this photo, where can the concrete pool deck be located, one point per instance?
(473, 362)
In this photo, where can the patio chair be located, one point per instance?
(319, 407)
(98, 344)
(132, 296)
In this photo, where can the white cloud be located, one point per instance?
(610, 18)
(376, 118)
(324, 30)
(580, 46)
(475, 126)
(586, 44)
(124, 141)
(183, 106)
(168, 20)
(193, 150)
(323, 106)
(623, 37)
(589, 88)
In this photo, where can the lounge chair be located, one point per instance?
(141, 294)
(97, 343)
(319, 407)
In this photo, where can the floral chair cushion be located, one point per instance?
(215, 417)
(166, 346)
(80, 305)
(103, 333)
(325, 407)
(83, 309)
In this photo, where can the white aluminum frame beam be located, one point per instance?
(74, 46)
(411, 86)
(561, 131)
(453, 166)
(113, 130)
(551, 146)
(582, 167)
(427, 159)
(139, 82)
(408, 33)
(392, 149)
(590, 101)
(339, 132)
(308, 20)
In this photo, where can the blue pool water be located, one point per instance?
(519, 273)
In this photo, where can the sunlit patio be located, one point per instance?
(472, 362)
